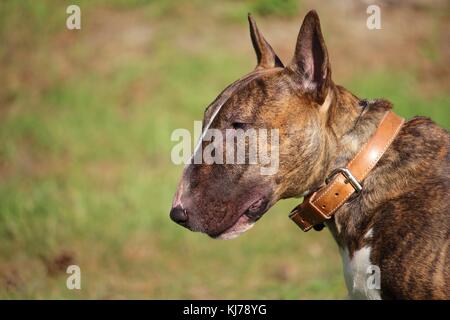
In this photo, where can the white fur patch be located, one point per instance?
(338, 225)
(327, 102)
(356, 273)
(369, 234)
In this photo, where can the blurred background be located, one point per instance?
(85, 123)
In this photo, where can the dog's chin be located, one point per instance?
(243, 224)
(247, 220)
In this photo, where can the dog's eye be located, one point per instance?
(239, 125)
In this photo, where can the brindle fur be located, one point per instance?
(405, 198)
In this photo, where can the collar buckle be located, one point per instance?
(349, 178)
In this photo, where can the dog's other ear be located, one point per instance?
(310, 64)
(264, 52)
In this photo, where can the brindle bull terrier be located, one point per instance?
(399, 221)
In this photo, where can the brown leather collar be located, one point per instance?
(343, 182)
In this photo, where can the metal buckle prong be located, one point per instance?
(349, 178)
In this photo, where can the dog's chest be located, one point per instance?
(360, 275)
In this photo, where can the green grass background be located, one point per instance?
(85, 170)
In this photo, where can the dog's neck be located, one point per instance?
(350, 125)
(351, 122)
(357, 122)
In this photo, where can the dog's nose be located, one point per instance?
(179, 215)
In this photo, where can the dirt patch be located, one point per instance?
(58, 264)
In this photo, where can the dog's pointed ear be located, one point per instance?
(264, 52)
(310, 64)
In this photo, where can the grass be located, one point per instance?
(85, 171)
(401, 90)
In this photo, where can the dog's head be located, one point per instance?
(291, 105)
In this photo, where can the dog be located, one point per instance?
(400, 219)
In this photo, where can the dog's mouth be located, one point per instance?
(246, 220)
